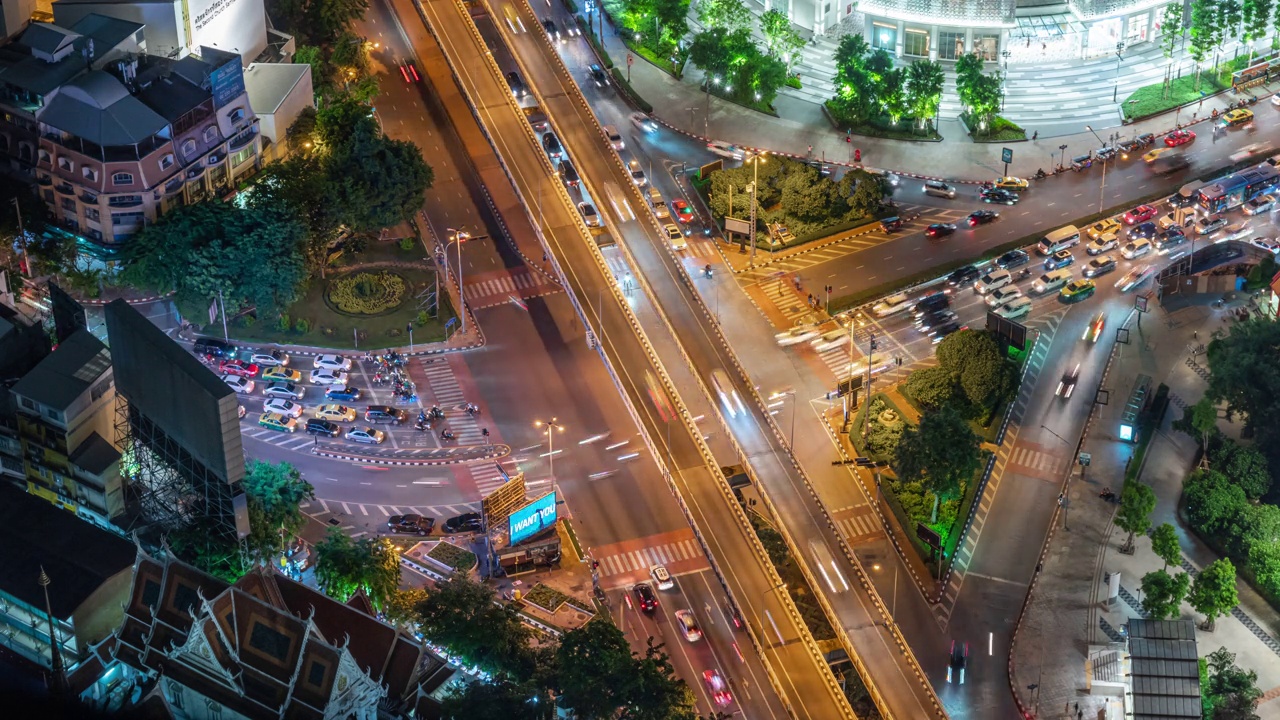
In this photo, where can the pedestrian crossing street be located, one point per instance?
(858, 524)
(287, 441)
(447, 393)
(644, 558)
(855, 243)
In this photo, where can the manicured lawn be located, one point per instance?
(328, 328)
(1155, 99)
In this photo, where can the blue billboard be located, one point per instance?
(532, 519)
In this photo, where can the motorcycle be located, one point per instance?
(706, 271)
(1022, 274)
(436, 412)
(422, 426)
(1108, 495)
(1040, 174)
(473, 410)
(446, 435)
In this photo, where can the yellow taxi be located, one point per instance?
(281, 374)
(1103, 227)
(278, 422)
(1011, 183)
(1239, 116)
(1150, 157)
(339, 413)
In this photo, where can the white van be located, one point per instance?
(659, 205)
(1060, 239)
(615, 138)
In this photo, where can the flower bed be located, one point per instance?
(545, 598)
(366, 293)
(452, 556)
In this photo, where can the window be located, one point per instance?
(316, 673)
(916, 43)
(269, 641)
(89, 174)
(166, 162)
(950, 45)
(239, 158)
(188, 148)
(884, 37)
(29, 404)
(52, 414)
(129, 218)
(91, 213)
(124, 200)
(175, 694)
(236, 115)
(69, 205)
(122, 178)
(66, 164)
(44, 156)
(150, 593)
(211, 134)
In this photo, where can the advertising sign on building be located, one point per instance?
(532, 519)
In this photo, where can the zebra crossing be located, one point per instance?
(857, 524)
(642, 559)
(837, 249)
(287, 441)
(448, 395)
(320, 507)
(487, 476)
(1037, 460)
(508, 283)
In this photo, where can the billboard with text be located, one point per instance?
(532, 519)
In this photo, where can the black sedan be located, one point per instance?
(935, 320)
(1068, 383)
(957, 662)
(411, 524)
(1013, 259)
(598, 74)
(982, 217)
(1170, 238)
(999, 195)
(941, 333)
(931, 303)
(1145, 231)
(939, 230)
(464, 523)
(963, 276)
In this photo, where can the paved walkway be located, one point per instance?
(802, 128)
(1069, 627)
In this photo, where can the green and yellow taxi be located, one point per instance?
(337, 413)
(278, 422)
(1011, 183)
(281, 374)
(1076, 290)
(1236, 117)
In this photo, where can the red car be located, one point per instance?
(1142, 213)
(718, 687)
(1179, 137)
(238, 367)
(684, 213)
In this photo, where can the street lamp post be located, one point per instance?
(552, 427)
(755, 159)
(1103, 188)
(1119, 56)
(459, 237)
(1062, 163)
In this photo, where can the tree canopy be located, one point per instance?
(1162, 594)
(1134, 516)
(1164, 543)
(1211, 500)
(251, 256)
(345, 565)
(275, 492)
(1213, 593)
(943, 453)
(463, 616)
(1230, 688)
(1243, 372)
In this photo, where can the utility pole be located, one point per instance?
(871, 350)
(223, 307)
(22, 239)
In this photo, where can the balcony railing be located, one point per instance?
(244, 138)
(65, 189)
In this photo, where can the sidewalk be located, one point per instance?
(1067, 638)
(801, 124)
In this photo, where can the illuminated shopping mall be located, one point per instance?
(1006, 31)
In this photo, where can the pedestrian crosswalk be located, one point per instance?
(487, 476)
(320, 508)
(1037, 460)
(447, 393)
(858, 524)
(505, 284)
(642, 559)
(288, 441)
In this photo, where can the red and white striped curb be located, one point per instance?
(500, 451)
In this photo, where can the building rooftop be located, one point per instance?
(76, 556)
(95, 455)
(48, 38)
(107, 32)
(67, 372)
(268, 84)
(1165, 670)
(97, 107)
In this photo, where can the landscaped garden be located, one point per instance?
(875, 97)
(452, 556)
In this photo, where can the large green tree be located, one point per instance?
(377, 180)
(933, 386)
(600, 677)
(1250, 525)
(1202, 419)
(1164, 543)
(1264, 562)
(1134, 516)
(1213, 593)
(1203, 32)
(1211, 500)
(780, 37)
(924, 90)
(1247, 467)
(728, 15)
(498, 699)
(251, 256)
(943, 453)
(1229, 686)
(462, 614)
(968, 70)
(345, 566)
(855, 96)
(986, 376)
(810, 197)
(275, 492)
(1162, 594)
